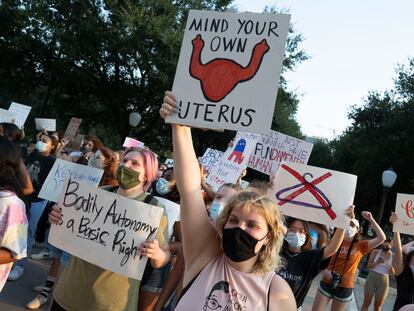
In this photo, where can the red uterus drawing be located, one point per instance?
(220, 76)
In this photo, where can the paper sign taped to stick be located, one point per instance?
(233, 161)
(61, 170)
(132, 143)
(21, 112)
(404, 208)
(210, 158)
(7, 116)
(275, 147)
(314, 194)
(104, 228)
(229, 69)
(73, 128)
(45, 124)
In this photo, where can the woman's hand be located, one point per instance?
(55, 215)
(169, 105)
(151, 249)
(350, 212)
(393, 218)
(367, 216)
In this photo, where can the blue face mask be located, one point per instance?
(215, 209)
(162, 186)
(41, 146)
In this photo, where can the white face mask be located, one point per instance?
(350, 232)
(41, 146)
(295, 239)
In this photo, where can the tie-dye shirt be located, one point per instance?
(13, 230)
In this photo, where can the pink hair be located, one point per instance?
(150, 163)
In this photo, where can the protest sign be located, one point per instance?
(210, 158)
(45, 124)
(233, 161)
(21, 112)
(314, 194)
(132, 143)
(7, 116)
(104, 228)
(63, 169)
(172, 210)
(77, 142)
(169, 162)
(73, 128)
(228, 68)
(404, 209)
(275, 147)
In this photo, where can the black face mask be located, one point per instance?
(238, 245)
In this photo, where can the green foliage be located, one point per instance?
(381, 136)
(101, 59)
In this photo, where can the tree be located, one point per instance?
(380, 137)
(102, 59)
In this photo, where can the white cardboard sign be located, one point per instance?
(275, 147)
(314, 194)
(53, 185)
(132, 143)
(210, 158)
(404, 208)
(104, 228)
(45, 124)
(7, 116)
(233, 161)
(229, 69)
(21, 112)
(169, 162)
(73, 128)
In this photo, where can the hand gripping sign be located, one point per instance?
(313, 193)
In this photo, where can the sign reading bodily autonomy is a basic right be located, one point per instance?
(274, 148)
(233, 161)
(314, 194)
(104, 228)
(404, 208)
(229, 69)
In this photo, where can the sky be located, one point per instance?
(354, 48)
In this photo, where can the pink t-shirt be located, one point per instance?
(13, 230)
(221, 287)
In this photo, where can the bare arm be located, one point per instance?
(281, 296)
(338, 237)
(380, 234)
(28, 186)
(334, 243)
(397, 261)
(6, 256)
(371, 263)
(200, 240)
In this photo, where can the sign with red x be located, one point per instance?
(314, 194)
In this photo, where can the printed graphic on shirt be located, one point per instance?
(33, 169)
(222, 297)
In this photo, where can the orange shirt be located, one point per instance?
(359, 249)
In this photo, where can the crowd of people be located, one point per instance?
(229, 249)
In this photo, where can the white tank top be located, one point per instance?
(221, 287)
(382, 268)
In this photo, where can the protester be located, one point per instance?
(223, 194)
(404, 271)
(84, 286)
(105, 159)
(90, 145)
(377, 282)
(319, 235)
(302, 263)
(338, 279)
(233, 265)
(13, 219)
(39, 163)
